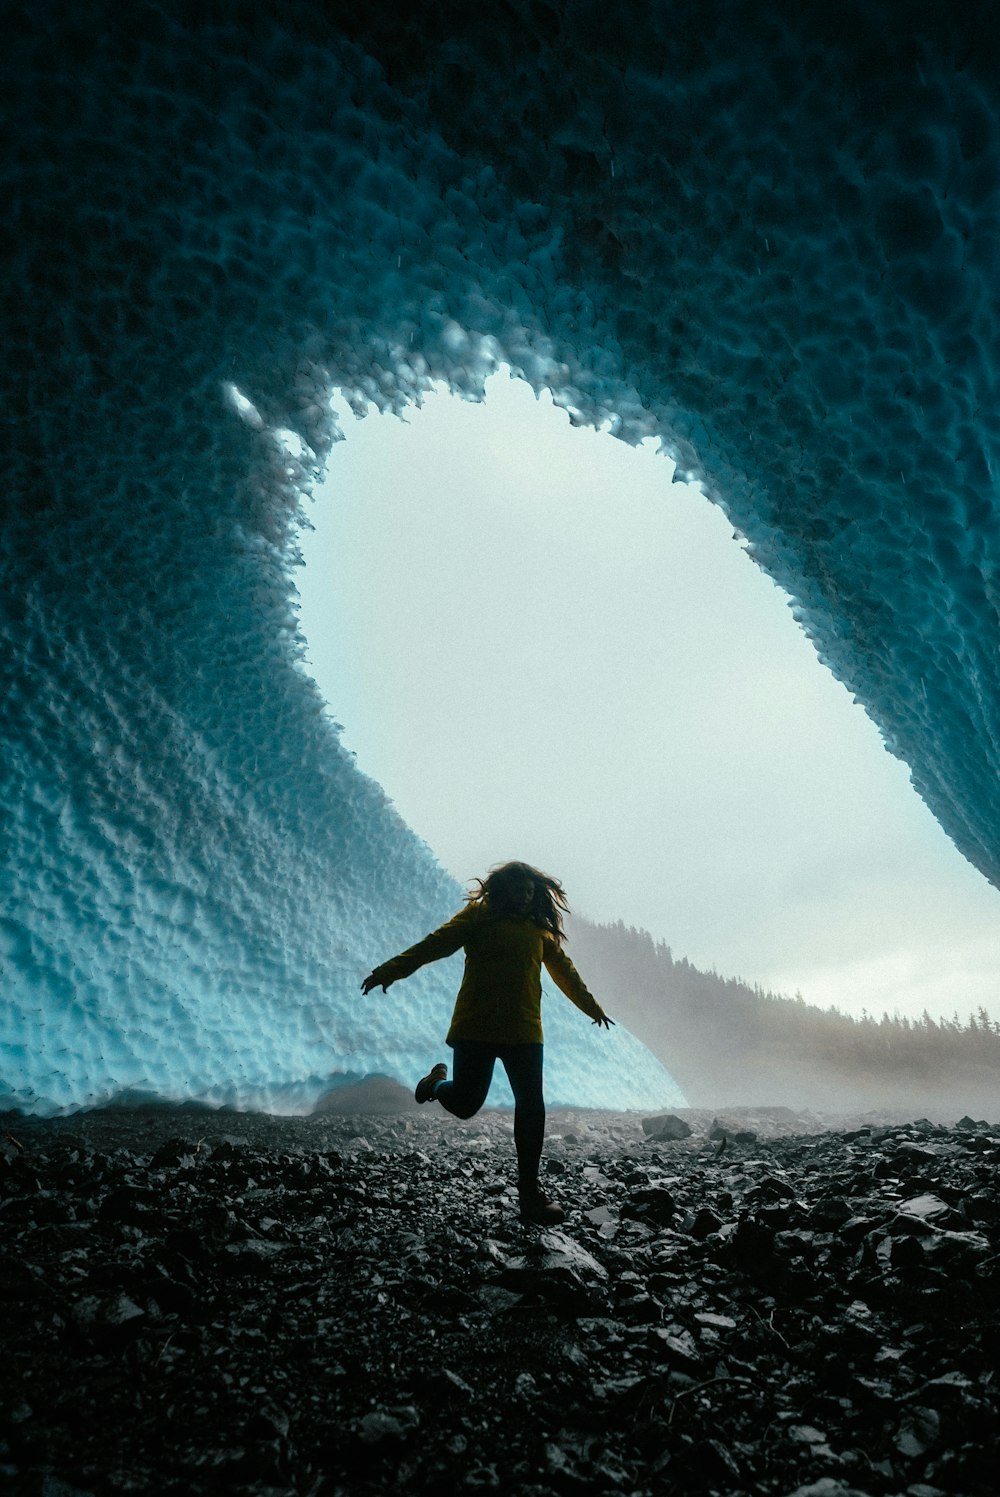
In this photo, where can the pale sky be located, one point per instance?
(542, 649)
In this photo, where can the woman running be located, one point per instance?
(511, 925)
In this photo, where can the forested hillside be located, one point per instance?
(727, 1042)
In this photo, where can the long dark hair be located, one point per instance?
(548, 903)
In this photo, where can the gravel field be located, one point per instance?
(199, 1301)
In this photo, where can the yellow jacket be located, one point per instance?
(499, 1001)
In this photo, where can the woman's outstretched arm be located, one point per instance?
(444, 941)
(568, 980)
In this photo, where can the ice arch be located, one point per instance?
(768, 234)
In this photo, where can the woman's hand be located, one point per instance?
(604, 1022)
(373, 981)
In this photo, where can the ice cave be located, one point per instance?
(765, 234)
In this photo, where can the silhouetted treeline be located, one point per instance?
(728, 1042)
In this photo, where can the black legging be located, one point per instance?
(466, 1092)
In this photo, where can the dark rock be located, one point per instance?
(908, 1153)
(603, 1217)
(829, 1214)
(956, 1251)
(951, 1390)
(905, 1225)
(562, 1272)
(653, 1204)
(982, 1206)
(857, 1228)
(229, 1148)
(904, 1252)
(389, 1424)
(752, 1244)
(666, 1126)
(128, 1205)
(777, 1218)
(702, 1224)
(727, 1133)
(715, 1322)
(770, 1188)
(373, 1095)
(254, 1257)
(174, 1153)
(918, 1431)
(677, 1345)
(640, 1309)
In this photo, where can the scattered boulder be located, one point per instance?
(375, 1095)
(726, 1133)
(650, 1203)
(666, 1127)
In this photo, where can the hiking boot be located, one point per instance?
(426, 1085)
(537, 1208)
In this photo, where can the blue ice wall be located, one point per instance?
(768, 234)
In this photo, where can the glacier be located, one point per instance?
(766, 236)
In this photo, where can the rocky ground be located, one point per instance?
(210, 1302)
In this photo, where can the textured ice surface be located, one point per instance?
(768, 234)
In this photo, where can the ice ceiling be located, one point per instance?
(768, 233)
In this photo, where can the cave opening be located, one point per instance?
(542, 647)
